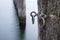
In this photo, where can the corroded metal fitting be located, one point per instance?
(42, 17)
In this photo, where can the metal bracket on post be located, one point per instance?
(42, 16)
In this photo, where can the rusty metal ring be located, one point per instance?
(43, 21)
(32, 13)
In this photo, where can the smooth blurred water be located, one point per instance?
(9, 24)
(31, 29)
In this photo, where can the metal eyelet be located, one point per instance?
(43, 21)
(33, 16)
(42, 17)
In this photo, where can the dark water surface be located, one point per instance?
(9, 24)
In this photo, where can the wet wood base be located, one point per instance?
(22, 23)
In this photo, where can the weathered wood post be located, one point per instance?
(20, 7)
(51, 29)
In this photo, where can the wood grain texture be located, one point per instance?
(51, 31)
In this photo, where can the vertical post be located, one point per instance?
(21, 12)
(42, 9)
(51, 31)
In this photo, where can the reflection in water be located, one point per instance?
(22, 31)
(22, 35)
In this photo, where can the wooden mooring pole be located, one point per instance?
(20, 7)
(51, 29)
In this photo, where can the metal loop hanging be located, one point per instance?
(33, 12)
(43, 21)
(41, 17)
